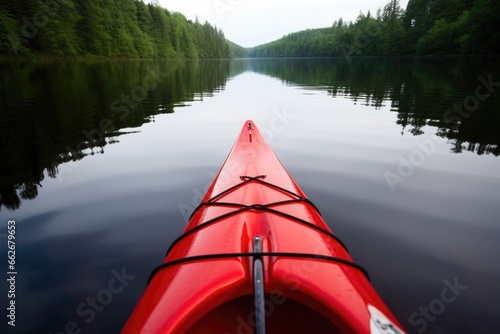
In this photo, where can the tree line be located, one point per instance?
(425, 27)
(134, 29)
(109, 28)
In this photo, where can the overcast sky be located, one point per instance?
(254, 22)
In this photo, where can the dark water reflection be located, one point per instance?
(60, 111)
(100, 178)
(420, 90)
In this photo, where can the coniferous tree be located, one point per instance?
(57, 28)
(111, 28)
(132, 28)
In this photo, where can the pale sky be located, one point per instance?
(254, 22)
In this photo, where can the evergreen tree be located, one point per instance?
(162, 33)
(392, 34)
(132, 28)
(57, 22)
(96, 27)
(111, 28)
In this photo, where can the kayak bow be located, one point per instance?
(257, 257)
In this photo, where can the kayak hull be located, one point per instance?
(205, 284)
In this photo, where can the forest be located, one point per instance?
(135, 29)
(108, 28)
(425, 27)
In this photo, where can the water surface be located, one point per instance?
(102, 162)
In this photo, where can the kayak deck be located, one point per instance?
(254, 220)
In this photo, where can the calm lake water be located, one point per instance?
(101, 162)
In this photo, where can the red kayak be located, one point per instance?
(256, 257)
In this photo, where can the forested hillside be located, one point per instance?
(110, 28)
(425, 27)
(236, 51)
(135, 29)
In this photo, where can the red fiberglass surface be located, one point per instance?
(215, 295)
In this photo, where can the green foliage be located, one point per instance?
(134, 29)
(383, 35)
(392, 32)
(236, 51)
(444, 37)
(9, 39)
(483, 32)
(57, 27)
(308, 43)
(109, 28)
(161, 33)
(425, 27)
